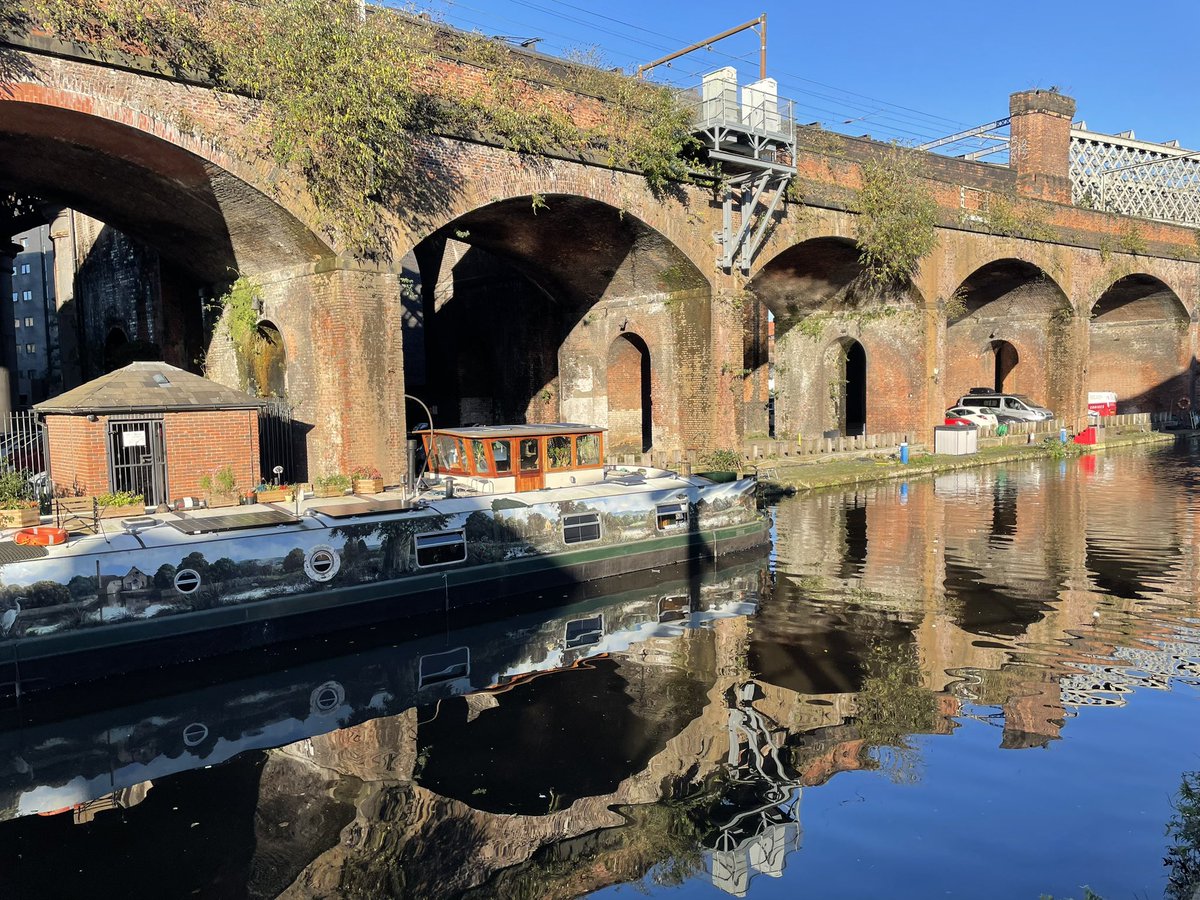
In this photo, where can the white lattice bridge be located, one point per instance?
(1118, 173)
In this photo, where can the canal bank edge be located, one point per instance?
(813, 475)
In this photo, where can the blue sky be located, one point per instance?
(902, 69)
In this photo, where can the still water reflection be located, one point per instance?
(980, 685)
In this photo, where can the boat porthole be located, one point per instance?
(195, 734)
(327, 698)
(322, 563)
(187, 580)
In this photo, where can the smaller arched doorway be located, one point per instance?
(267, 363)
(1005, 360)
(630, 405)
(854, 392)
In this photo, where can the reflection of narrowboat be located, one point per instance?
(505, 510)
(53, 761)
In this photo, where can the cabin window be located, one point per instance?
(580, 529)
(670, 515)
(500, 455)
(479, 452)
(558, 451)
(450, 451)
(440, 548)
(587, 449)
(531, 457)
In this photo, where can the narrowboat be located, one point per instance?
(501, 510)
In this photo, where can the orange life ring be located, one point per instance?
(41, 535)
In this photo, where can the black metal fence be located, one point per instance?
(276, 442)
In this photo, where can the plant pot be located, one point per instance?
(319, 491)
(216, 502)
(19, 518)
(719, 477)
(368, 485)
(274, 495)
(122, 512)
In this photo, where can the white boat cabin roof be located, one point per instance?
(495, 432)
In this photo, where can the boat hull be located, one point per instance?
(44, 661)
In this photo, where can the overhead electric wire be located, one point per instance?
(886, 116)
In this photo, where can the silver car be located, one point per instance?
(1016, 406)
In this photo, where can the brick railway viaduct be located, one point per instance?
(602, 301)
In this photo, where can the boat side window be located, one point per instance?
(670, 515)
(501, 457)
(449, 449)
(531, 457)
(587, 450)
(440, 548)
(479, 454)
(581, 528)
(558, 451)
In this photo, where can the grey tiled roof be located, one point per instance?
(148, 387)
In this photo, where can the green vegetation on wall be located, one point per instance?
(897, 217)
(340, 92)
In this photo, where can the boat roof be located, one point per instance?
(482, 432)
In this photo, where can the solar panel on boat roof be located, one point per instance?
(362, 508)
(234, 522)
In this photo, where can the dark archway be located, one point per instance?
(855, 421)
(630, 404)
(1006, 360)
(818, 296)
(521, 308)
(1010, 311)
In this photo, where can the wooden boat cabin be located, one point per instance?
(518, 457)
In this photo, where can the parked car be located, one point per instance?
(1018, 406)
(962, 415)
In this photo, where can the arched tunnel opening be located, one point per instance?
(567, 310)
(1139, 346)
(1010, 327)
(141, 236)
(820, 317)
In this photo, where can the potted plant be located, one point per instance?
(220, 489)
(721, 465)
(274, 493)
(331, 485)
(120, 505)
(367, 480)
(16, 511)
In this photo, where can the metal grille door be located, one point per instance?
(137, 460)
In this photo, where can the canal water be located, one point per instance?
(982, 684)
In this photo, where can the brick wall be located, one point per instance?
(78, 454)
(202, 443)
(625, 396)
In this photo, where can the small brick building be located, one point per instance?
(151, 429)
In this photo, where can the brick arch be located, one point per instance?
(475, 177)
(523, 297)
(200, 206)
(1012, 303)
(1139, 345)
(630, 395)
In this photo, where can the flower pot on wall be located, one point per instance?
(274, 495)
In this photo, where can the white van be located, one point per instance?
(1015, 406)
